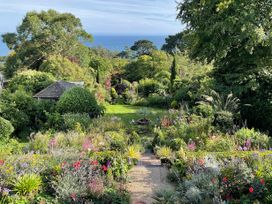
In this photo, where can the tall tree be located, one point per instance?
(236, 36)
(173, 71)
(143, 47)
(175, 42)
(42, 34)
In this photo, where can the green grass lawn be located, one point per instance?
(129, 112)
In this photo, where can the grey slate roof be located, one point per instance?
(55, 90)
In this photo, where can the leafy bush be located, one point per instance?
(164, 152)
(79, 100)
(251, 139)
(220, 144)
(148, 86)
(28, 185)
(224, 121)
(31, 81)
(72, 119)
(6, 129)
(204, 110)
(39, 142)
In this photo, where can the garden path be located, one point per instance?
(146, 178)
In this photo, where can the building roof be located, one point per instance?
(55, 90)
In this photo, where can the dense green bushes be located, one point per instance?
(31, 81)
(79, 100)
(6, 129)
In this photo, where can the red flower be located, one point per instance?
(77, 165)
(225, 179)
(104, 168)
(262, 181)
(73, 196)
(251, 189)
(95, 162)
(2, 162)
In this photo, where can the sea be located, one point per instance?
(113, 43)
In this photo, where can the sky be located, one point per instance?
(101, 17)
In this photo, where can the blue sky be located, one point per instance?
(101, 17)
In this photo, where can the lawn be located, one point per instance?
(128, 112)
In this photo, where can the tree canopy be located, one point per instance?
(143, 47)
(236, 37)
(42, 34)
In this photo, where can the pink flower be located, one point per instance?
(192, 146)
(251, 189)
(225, 179)
(73, 196)
(2, 162)
(53, 142)
(77, 165)
(96, 186)
(87, 145)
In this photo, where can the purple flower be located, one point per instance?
(240, 148)
(108, 164)
(248, 143)
(5, 191)
(245, 148)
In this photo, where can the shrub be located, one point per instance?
(79, 100)
(224, 121)
(164, 152)
(39, 142)
(133, 152)
(31, 81)
(220, 144)
(204, 110)
(6, 129)
(28, 185)
(158, 101)
(251, 139)
(148, 86)
(72, 119)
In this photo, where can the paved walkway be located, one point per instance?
(146, 178)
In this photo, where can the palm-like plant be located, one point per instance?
(220, 102)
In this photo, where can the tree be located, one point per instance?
(43, 34)
(143, 47)
(173, 71)
(6, 129)
(236, 37)
(102, 67)
(147, 66)
(175, 42)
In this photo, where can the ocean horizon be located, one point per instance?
(111, 42)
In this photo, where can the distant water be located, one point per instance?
(114, 43)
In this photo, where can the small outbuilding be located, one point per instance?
(55, 90)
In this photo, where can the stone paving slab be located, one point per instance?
(146, 178)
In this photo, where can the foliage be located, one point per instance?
(31, 81)
(164, 152)
(147, 66)
(149, 86)
(28, 185)
(224, 120)
(20, 109)
(238, 44)
(79, 100)
(251, 139)
(175, 43)
(42, 34)
(72, 119)
(165, 196)
(143, 47)
(63, 68)
(6, 129)
(220, 144)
